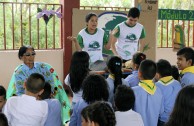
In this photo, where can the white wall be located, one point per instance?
(9, 60)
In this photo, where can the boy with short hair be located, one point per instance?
(149, 99)
(169, 87)
(2, 97)
(26, 109)
(54, 107)
(185, 61)
(124, 102)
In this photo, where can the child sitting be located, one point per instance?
(149, 99)
(185, 61)
(124, 102)
(169, 87)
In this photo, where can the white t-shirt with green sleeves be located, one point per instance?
(128, 39)
(92, 43)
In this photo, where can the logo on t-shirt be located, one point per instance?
(93, 46)
(131, 37)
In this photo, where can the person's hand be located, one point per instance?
(71, 38)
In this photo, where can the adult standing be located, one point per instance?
(127, 36)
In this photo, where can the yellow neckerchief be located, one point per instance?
(112, 76)
(148, 86)
(165, 80)
(188, 70)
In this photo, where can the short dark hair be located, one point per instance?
(47, 91)
(124, 98)
(89, 15)
(23, 49)
(2, 91)
(99, 112)
(175, 72)
(95, 88)
(35, 83)
(187, 52)
(138, 58)
(134, 12)
(3, 120)
(148, 69)
(164, 68)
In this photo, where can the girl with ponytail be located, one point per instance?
(115, 77)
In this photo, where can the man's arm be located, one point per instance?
(141, 45)
(113, 36)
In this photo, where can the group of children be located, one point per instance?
(146, 97)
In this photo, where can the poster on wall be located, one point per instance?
(108, 20)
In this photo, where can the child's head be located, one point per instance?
(98, 114)
(114, 67)
(163, 69)
(95, 88)
(3, 120)
(147, 70)
(137, 59)
(2, 97)
(124, 98)
(79, 69)
(35, 84)
(185, 58)
(175, 72)
(47, 92)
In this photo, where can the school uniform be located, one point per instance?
(148, 102)
(187, 76)
(132, 79)
(169, 88)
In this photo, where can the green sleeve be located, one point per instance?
(105, 38)
(143, 33)
(80, 41)
(118, 33)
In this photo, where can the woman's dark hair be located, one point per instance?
(3, 120)
(79, 69)
(175, 72)
(138, 58)
(89, 15)
(115, 66)
(95, 88)
(99, 112)
(23, 49)
(124, 98)
(183, 112)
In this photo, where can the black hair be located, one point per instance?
(23, 50)
(183, 111)
(188, 53)
(175, 72)
(47, 91)
(99, 112)
(124, 98)
(89, 15)
(79, 69)
(134, 12)
(2, 91)
(148, 69)
(35, 83)
(3, 120)
(138, 58)
(115, 66)
(164, 68)
(95, 88)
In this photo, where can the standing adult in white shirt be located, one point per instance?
(26, 110)
(127, 36)
(124, 101)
